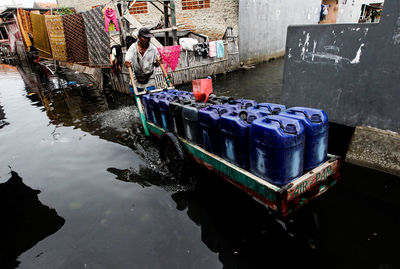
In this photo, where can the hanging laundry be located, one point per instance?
(23, 29)
(111, 26)
(13, 36)
(40, 38)
(110, 19)
(170, 55)
(212, 49)
(98, 41)
(201, 49)
(75, 38)
(220, 49)
(55, 31)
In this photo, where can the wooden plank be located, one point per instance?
(312, 178)
(288, 208)
(138, 25)
(170, 29)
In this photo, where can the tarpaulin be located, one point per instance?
(75, 38)
(24, 27)
(98, 41)
(170, 55)
(56, 35)
(40, 37)
(26, 20)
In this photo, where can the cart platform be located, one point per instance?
(282, 200)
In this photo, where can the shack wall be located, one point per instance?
(190, 67)
(211, 21)
(349, 70)
(263, 25)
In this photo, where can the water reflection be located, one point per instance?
(24, 220)
(71, 99)
(2, 118)
(239, 229)
(263, 83)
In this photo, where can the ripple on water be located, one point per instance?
(120, 119)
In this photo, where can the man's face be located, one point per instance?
(144, 40)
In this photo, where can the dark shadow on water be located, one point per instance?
(359, 220)
(242, 231)
(353, 225)
(339, 138)
(24, 220)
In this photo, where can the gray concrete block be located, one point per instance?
(375, 148)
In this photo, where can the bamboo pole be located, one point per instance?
(138, 102)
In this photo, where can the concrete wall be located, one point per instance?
(263, 25)
(208, 21)
(349, 70)
(350, 10)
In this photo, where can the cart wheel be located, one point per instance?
(173, 155)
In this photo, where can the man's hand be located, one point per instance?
(158, 61)
(128, 64)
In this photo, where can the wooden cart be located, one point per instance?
(282, 200)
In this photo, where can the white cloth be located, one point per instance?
(188, 43)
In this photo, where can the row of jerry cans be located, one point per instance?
(273, 142)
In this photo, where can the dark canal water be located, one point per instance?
(89, 191)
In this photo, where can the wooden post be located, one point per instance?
(122, 28)
(8, 34)
(173, 22)
(166, 22)
(54, 60)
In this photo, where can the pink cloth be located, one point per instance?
(109, 15)
(170, 55)
(212, 49)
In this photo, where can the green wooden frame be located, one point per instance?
(283, 200)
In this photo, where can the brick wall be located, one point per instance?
(208, 17)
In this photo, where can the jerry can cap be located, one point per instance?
(316, 118)
(290, 129)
